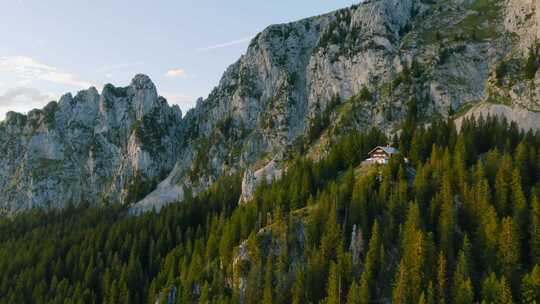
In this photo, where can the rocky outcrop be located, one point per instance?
(288, 76)
(350, 69)
(252, 179)
(89, 147)
(522, 17)
(437, 53)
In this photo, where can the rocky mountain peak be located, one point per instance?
(142, 82)
(113, 146)
(298, 87)
(350, 69)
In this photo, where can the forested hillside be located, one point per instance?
(459, 224)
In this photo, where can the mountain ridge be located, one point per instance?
(345, 70)
(89, 146)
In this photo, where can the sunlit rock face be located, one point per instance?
(89, 147)
(127, 145)
(291, 73)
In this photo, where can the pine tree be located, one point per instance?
(367, 288)
(502, 186)
(461, 278)
(353, 297)
(414, 254)
(509, 247)
(268, 281)
(530, 286)
(460, 161)
(204, 298)
(465, 294)
(519, 202)
(422, 299)
(331, 239)
(506, 292)
(333, 289)
(299, 288)
(447, 220)
(532, 63)
(254, 285)
(491, 291)
(431, 296)
(441, 279)
(534, 231)
(399, 293)
(364, 291)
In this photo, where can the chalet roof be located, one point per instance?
(389, 150)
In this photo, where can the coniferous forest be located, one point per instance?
(458, 223)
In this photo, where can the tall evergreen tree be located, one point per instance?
(530, 286)
(333, 290)
(268, 281)
(534, 231)
(509, 247)
(447, 220)
(441, 279)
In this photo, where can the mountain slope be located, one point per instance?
(298, 86)
(349, 69)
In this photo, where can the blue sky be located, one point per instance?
(57, 46)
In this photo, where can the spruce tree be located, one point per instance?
(503, 181)
(530, 286)
(534, 231)
(441, 279)
(333, 289)
(399, 293)
(367, 288)
(506, 292)
(509, 247)
(461, 277)
(299, 287)
(519, 202)
(447, 220)
(268, 281)
(204, 298)
(491, 291)
(353, 297)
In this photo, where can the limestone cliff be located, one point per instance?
(349, 69)
(298, 86)
(89, 147)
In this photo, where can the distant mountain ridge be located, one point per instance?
(298, 86)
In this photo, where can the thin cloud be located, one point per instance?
(23, 99)
(119, 66)
(225, 44)
(28, 69)
(12, 96)
(176, 73)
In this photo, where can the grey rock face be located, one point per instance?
(269, 172)
(92, 147)
(439, 53)
(443, 54)
(288, 76)
(523, 18)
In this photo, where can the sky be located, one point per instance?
(53, 47)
